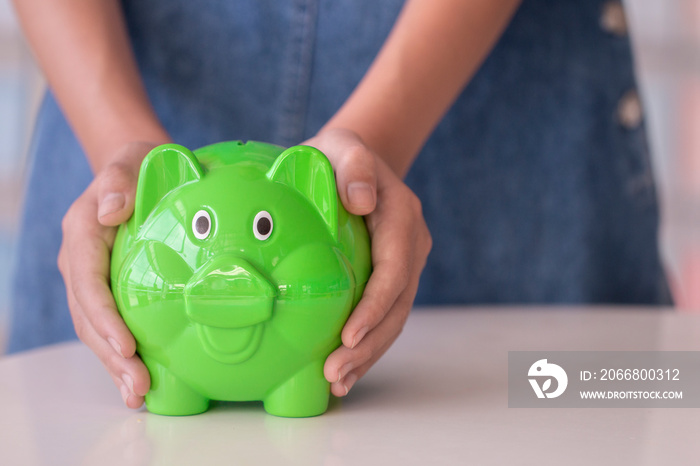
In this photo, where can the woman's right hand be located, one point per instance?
(89, 228)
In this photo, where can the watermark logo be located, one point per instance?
(542, 370)
(603, 379)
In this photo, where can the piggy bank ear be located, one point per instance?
(165, 168)
(308, 171)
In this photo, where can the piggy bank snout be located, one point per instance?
(229, 292)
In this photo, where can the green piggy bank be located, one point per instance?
(236, 274)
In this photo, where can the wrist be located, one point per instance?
(128, 154)
(381, 142)
(125, 151)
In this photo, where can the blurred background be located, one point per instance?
(666, 35)
(20, 89)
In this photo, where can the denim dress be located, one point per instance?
(536, 186)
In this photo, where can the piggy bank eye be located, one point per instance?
(201, 224)
(262, 225)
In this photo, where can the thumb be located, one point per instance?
(357, 179)
(116, 184)
(355, 169)
(116, 189)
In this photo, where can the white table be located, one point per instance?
(438, 397)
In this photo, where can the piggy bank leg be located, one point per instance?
(304, 394)
(171, 396)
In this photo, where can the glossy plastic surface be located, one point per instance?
(236, 274)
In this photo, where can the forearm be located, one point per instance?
(83, 49)
(431, 54)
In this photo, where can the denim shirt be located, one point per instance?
(536, 186)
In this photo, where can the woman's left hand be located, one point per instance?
(400, 245)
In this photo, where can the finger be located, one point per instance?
(388, 280)
(345, 360)
(343, 385)
(130, 399)
(359, 369)
(130, 375)
(93, 294)
(396, 250)
(88, 274)
(346, 366)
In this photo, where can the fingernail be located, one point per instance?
(129, 382)
(126, 393)
(360, 194)
(349, 382)
(115, 344)
(111, 203)
(359, 336)
(344, 370)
